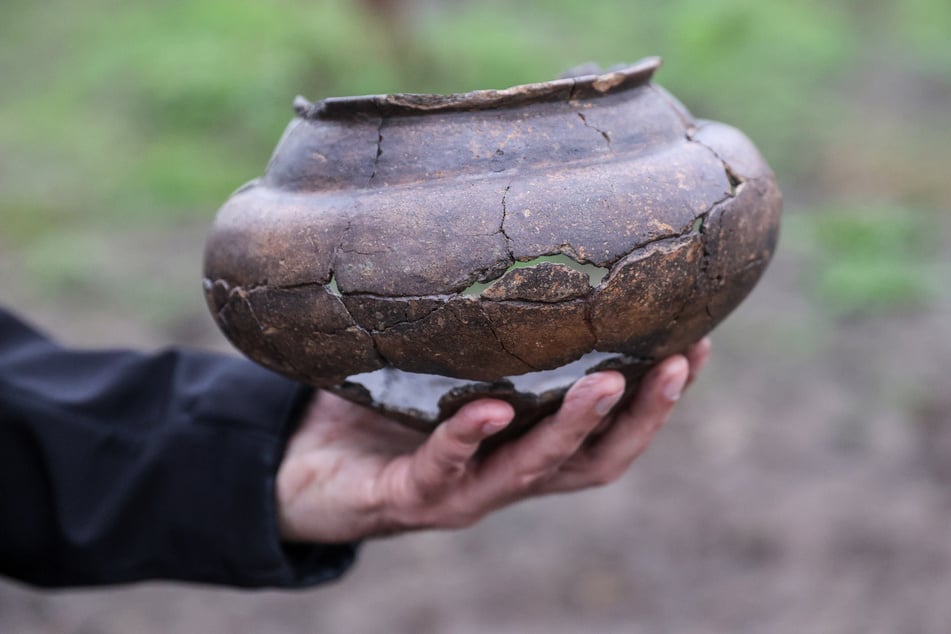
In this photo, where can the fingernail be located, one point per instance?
(493, 426)
(674, 386)
(605, 403)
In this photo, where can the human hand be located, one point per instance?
(351, 473)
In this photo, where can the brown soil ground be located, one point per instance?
(804, 485)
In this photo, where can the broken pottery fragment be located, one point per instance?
(416, 252)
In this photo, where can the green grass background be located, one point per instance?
(144, 116)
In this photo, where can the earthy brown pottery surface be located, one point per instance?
(414, 252)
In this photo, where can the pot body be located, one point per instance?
(492, 234)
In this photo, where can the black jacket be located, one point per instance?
(117, 466)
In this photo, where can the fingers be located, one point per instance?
(516, 469)
(697, 356)
(444, 486)
(442, 459)
(557, 439)
(631, 433)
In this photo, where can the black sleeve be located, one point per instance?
(118, 466)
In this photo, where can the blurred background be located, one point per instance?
(804, 485)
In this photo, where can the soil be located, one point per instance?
(803, 485)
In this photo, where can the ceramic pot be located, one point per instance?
(417, 251)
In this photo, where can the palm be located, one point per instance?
(353, 453)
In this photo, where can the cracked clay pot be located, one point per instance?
(415, 252)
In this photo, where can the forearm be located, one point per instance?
(119, 466)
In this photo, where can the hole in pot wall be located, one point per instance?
(595, 273)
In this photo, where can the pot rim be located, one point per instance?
(584, 86)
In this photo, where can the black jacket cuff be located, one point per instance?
(117, 466)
